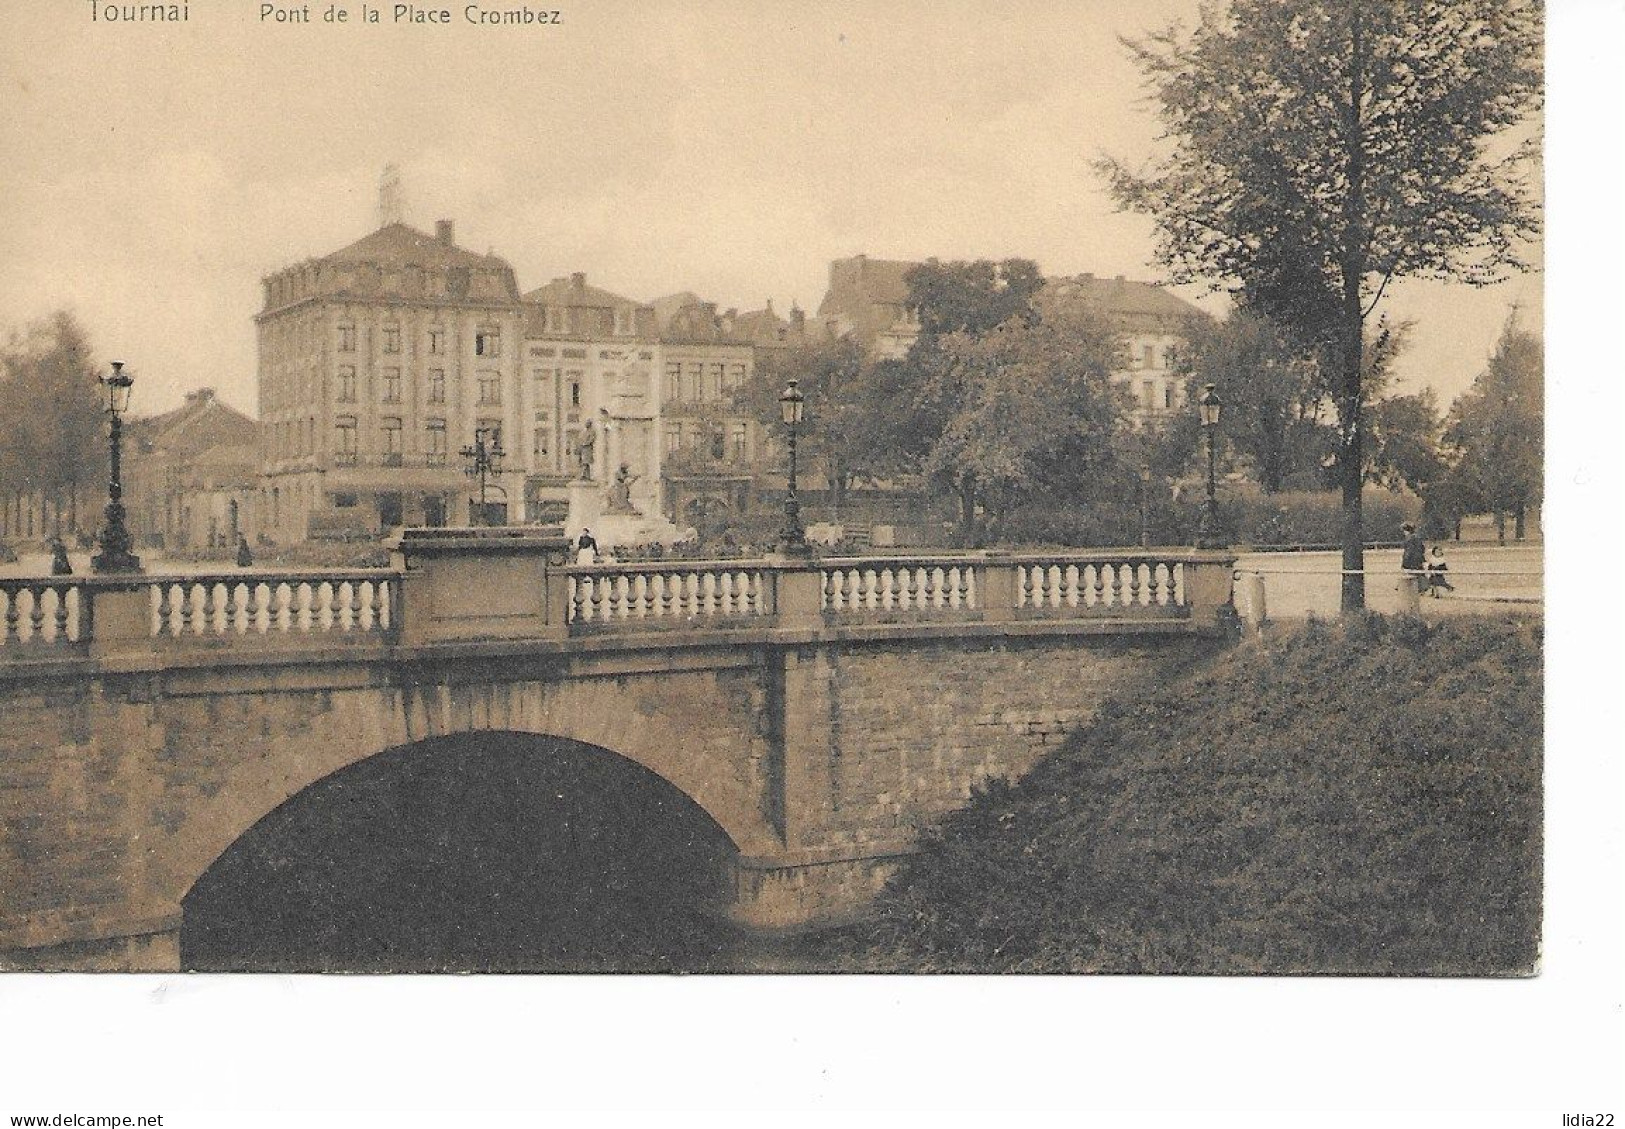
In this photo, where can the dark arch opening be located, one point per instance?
(479, 852)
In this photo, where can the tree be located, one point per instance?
(51, 411)
(1024, 407)
(1406, 436)
(1321, 149)
(1496, 429)
(970, 297)
(835, 377)
(1275, 398)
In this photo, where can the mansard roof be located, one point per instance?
(1122, 298)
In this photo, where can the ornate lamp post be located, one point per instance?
(484, 463)
(1207, 534)
(115, 553)
(1145, 494)
(792, 410)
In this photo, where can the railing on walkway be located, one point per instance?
(899, 589)
(926, 585)
(532, 596)
(1101, 582)
(57, 616)
(667, 594)
(41, 613)
(355, 602)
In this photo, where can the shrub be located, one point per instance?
(1358, 798)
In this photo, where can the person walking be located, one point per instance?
(60, 565)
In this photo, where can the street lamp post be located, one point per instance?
(484, 463)
(115, 554)
(1207, 534)
(792, 411)
(1145, 493)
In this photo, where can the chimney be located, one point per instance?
(798, 318)
(578, 280)
(1119, 278)
(442, 232)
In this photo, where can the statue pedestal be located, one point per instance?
(589, 509)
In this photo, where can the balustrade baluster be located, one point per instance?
(725, 592)
(275, 605)
(354, 623)
(1154, 590)
(12, 617)
(662, 595)
(62, 594)
(379, 609)
(1100, 584)
(1133, 582)
(251, 608)
(1116, 571)
(1070, 576)
(36, 614)
(230, 627)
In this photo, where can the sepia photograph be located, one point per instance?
(754, 490)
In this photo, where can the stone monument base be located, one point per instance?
(589, 510)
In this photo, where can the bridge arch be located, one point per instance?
(706, 751)
(490, 850)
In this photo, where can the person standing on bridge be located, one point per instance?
(586, 548)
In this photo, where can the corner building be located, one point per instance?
(377, 363)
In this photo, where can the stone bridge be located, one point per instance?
(821, 712)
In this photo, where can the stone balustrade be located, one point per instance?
(674, 594)
(40, 613)
(1099, 582)
(352, 602)
(472, 586)
(923, 585)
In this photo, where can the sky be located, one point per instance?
(153, 174)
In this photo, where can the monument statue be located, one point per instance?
(620, 491)
(586, 448)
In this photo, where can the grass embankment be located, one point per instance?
(1361, 797)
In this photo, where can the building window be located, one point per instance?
(490, 385)
(346, 393)
(344, 501)
(392, 442)
(492, 429)
(713, 384)
(736, 377)
(739, 442)
(623, 320)
(1148, 392)
(1149, 355)
(488, 343)
(435, 446)
(437, 386)
(553, 322)
(691, 384)
(719, 446)
(437, 341)
(1167, 395)
(345, 440)
(392, 385)
(346, 338)
(575, 391)
(539, 442)
(671, 386)
(674, 437)
(392, 339)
